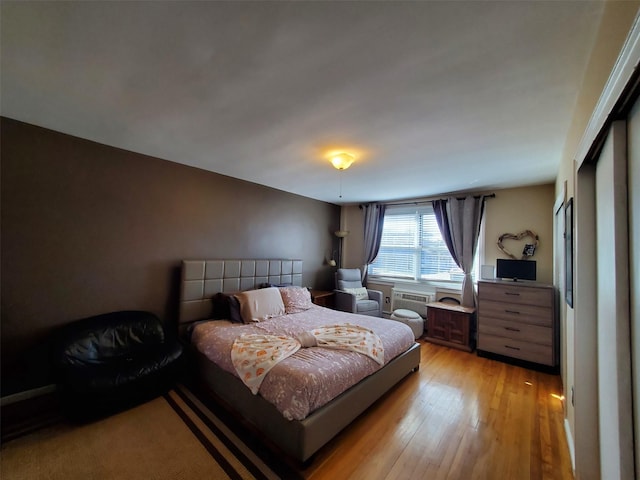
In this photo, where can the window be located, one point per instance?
(412, 247)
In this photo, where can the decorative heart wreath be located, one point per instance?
(529, 248)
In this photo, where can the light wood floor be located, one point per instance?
(459, 417)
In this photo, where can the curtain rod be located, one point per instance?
(420, 202)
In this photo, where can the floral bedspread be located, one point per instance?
(254, 355)
(311, 377)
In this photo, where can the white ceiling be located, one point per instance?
(431, 97)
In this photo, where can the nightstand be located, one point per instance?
(451, 325)
(322, 298)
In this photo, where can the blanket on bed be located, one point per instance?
(254, 355)
(310, 377)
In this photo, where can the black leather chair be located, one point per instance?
(113, 361)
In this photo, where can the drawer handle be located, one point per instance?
(512, 329)
(512, 311)
(512, 294)
(512, 348)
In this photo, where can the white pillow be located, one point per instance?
(360, 293)
(261, 304)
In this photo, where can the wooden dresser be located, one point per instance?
(450, 325)
(518, 320)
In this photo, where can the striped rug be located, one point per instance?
(171, 437)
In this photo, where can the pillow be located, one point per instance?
(261, 304)
(360, 293)
(226, 307)
(296, 299)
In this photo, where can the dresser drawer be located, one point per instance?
(516, 294)
(538, 315)
(522, 332)
(531, 352)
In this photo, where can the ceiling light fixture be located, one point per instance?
(342, 161)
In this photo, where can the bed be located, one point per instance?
(302, 426)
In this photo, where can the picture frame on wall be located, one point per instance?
(568, 251)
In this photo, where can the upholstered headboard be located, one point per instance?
(202, 279)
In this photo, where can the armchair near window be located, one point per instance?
(351, 296)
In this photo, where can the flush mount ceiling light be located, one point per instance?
(342, 161)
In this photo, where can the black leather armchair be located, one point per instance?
(112, 361)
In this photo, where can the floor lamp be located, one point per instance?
(340, 234)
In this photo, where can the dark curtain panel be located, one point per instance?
(442, 219)
(459, 222)
(373, 221)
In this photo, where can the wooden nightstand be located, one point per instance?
(322, 298)
(451, 325)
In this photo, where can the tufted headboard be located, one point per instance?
(202, 279)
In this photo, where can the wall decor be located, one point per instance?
(529, 247)
(568, 252)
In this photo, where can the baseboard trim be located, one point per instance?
(25, 412)
(570, 444)
(27, 395)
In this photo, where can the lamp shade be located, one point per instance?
(342, 161)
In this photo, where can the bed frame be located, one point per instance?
(300, 439)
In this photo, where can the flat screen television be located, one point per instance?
(515, 269)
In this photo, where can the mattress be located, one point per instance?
(311, 377)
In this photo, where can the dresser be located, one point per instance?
(450, 325)
(518, 320)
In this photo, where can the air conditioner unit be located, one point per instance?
(409, 300)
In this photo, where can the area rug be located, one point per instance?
(171, 437)
(243, 442)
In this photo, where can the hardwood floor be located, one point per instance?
(459, 417)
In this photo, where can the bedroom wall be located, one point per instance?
(513, 211)
(88, 228)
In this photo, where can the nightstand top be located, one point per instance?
(451, 306)
(320, 293)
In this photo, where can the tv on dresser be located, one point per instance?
(509, 269)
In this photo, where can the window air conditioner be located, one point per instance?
(416, 301)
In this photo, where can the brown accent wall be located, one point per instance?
(88, 228)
